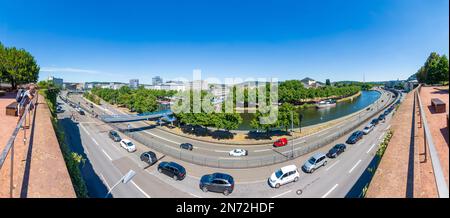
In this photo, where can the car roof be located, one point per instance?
(173, 164)
(288, 168)
(318, 155)
(126, 140)
(221, 176)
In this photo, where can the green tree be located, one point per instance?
(18, 66)
(327, 82)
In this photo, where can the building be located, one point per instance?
(310, 83)
(157, 80)
(168, 86)
(198, 85)
(134, 83)
(57, 81)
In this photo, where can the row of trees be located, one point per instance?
(17, 66)
(435, 70)
(293, 91)
(140, 100)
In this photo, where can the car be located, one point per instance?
(374, 121)
(336, 150)
(79, 110)
(187, 146)
(128, 145)
(217, 182)
(386, 112)
(114, 136)
(355, 137)
(283, 176)
(368, 128)
(59, 109)
(381, 117)
(280, 142)
(315, 162)
(149, 157)
(172, 169)
(238, 152)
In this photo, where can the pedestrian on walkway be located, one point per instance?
(27, 98)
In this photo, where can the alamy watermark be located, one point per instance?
(234, 95)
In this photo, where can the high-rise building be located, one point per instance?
(157, 80)
(134, 83)
(57, 81)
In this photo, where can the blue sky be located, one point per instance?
(119, 40)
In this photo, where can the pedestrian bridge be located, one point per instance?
(164, 115)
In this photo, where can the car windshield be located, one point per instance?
(312, 160)
(366, 127)
(129, 144)
(278, 173)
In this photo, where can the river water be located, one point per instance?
(312, 116)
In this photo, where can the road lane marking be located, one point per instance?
(142, 191)
(388, 127)
(381, 136)
(221, 151)
(252, 182)
(85, 129)
(230, 158)
(359, 161)
(195, 195)
(104, 152)
(370, 148)
(161, 137)
(114, 146)
(276, 196)
(104, 180)
(263, 150)
(332, 189)
(332, 165)
(94, 141)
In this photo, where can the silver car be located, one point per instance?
(314, 163)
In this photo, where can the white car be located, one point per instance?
(368, 128)
(283, 176)
(238, 152)
(128, 145)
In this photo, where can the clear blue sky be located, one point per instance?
(337, 39)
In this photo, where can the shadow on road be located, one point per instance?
(96, 187)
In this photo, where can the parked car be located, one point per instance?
(238, 152)
(374, 121)
(280, 142)
(128, 145)
(114, 136)
(368, 128)
(283, 176)
(59, 109)
(336, 150)
(381, 117)
(172, 169)
(355, 137)
(187, 146)
(313, 163)
(79, 110)
(217, 182)
(149, 157)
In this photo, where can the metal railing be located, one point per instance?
(9, 148)
(441, 185)
(251, 162)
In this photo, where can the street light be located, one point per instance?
(125, 179)
(292, 130)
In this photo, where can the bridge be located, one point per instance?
(162, 115)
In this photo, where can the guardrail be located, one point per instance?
(441, 185)
(260, 161)
(9, 148)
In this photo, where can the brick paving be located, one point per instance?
(41, 170)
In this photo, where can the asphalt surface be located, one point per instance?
(107, 162)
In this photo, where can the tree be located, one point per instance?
(442, 66)
(434, 70)
(327, 82)
(284, 116)
(18, 66)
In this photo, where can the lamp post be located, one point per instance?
(125, 179)
(292, 130)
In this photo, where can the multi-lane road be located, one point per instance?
(107, 162)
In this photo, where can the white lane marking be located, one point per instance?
(221, 151)
(114, 146)
(381, 136)
(85, 129)
(94, 141)
(142, 191)
(359, 161)
(162, 138)
(276, 196)
(104, 180)
(252, 182)
(195, 195)
(332, 165)
(332, 189)
(370, 148)
(388, 127)
(229, 158)
(104, 152)
(263, 150)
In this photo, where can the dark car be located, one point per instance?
(374, 121)
(114, 136)
(187, 146)
(149, 157)
(355, 137)
(381, 117)
(217, 182)
(386, 112)
(172, 169)
(336, 150)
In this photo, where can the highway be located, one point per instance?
(109, 161)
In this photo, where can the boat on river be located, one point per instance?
(326, 103)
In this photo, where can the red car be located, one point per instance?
(280, 142)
